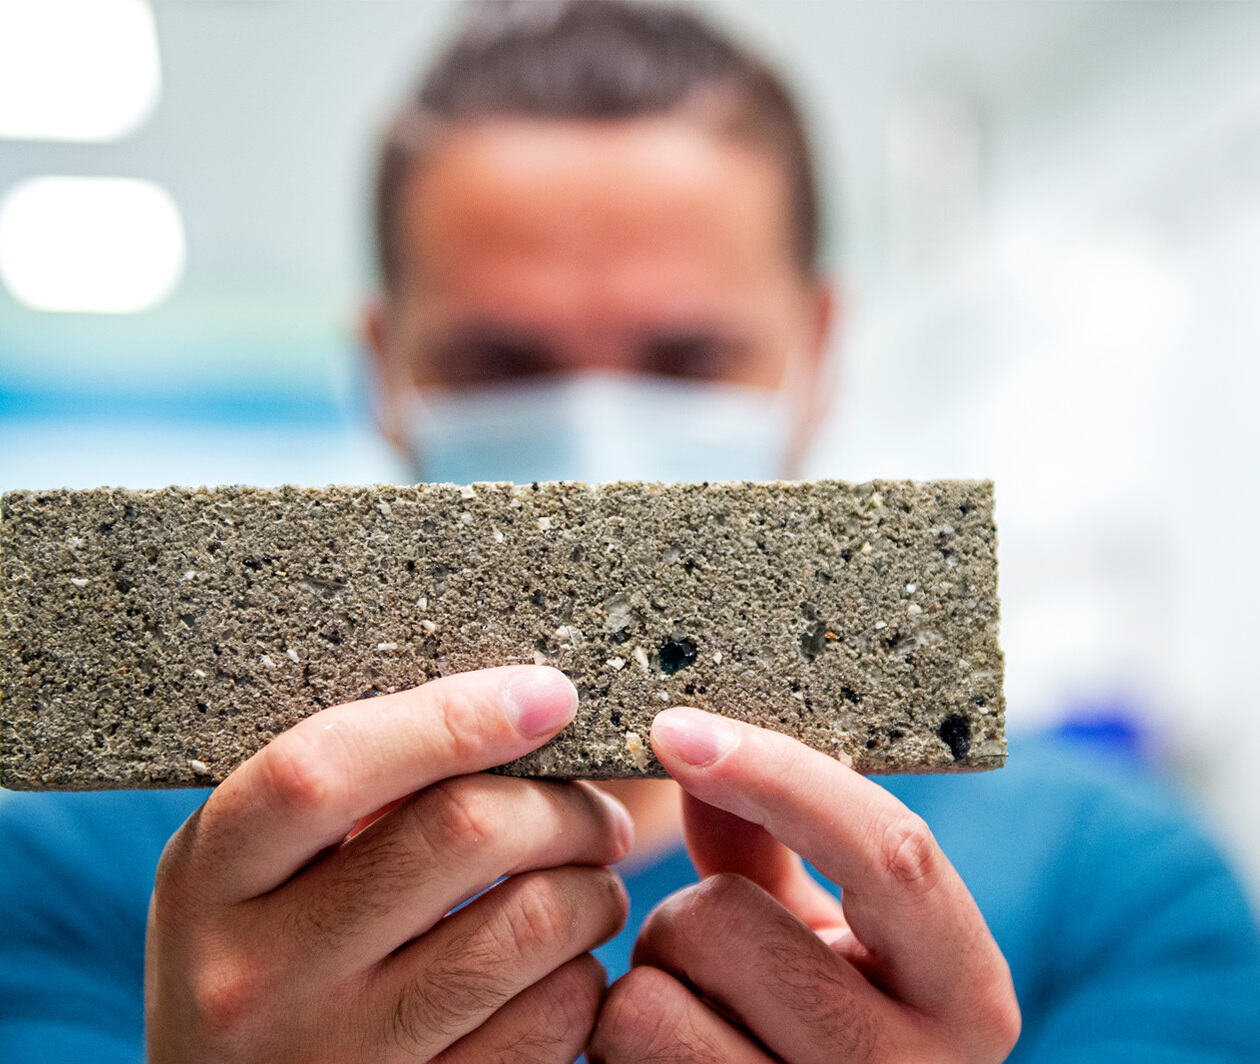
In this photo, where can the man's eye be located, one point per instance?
(499, 360)
(491, 361)
(700, 356)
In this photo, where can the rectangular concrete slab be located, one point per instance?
(159, 638)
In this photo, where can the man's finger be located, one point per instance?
(308, 787)
(719, 841)
(547, 1023)
(650, 1016)
(399, 877)
(741, 949)
(452, 980)
(902, 898)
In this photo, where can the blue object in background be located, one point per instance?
(1113, 724)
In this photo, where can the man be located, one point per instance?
(598, 234)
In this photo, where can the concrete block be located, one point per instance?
(158, 638)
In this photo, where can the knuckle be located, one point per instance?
(723, 892)
(459, 739)
(908, 852)
(441, 1001)
(538, 915)
(572, 999)
(716, 908)
(461, 813)
(300, 776)
(634, 1016)
(226, 996)
(646, 1017)
(999, 1016)
(423, 1011)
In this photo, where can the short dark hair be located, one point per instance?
(597, 59)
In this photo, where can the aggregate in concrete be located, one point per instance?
(159, 638)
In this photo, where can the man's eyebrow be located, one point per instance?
(715, 330)
(486, 332)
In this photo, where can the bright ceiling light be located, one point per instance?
(79, 70)
(109, 245)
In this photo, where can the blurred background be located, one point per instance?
(1046, 218)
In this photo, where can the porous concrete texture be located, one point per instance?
(158, 638)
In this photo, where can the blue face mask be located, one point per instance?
(598, 427)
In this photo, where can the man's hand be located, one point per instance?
(301, 914)
(765, 964)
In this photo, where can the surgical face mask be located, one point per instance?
(597, 427)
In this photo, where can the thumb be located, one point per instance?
(719, 841)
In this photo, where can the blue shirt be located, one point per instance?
(1127, 936)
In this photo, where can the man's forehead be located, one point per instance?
(659, 194)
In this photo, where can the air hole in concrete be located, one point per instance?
(676, 654)
(955, 731)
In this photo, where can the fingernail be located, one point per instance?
(539, 700)
(692, 735)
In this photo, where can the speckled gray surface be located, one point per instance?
(158, 638)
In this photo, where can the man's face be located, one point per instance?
(644, 246)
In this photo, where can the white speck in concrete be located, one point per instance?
(384, 647)
(466, 517)
(880, 624)
(866, 548)
(914, 609)
(422, 603)
(291, 654)
(663, 695)
(79, 581)
(428, 626)
(616, 663)
(911, 588)
(498, 536)
(267, 660)
(467, 492)
(640, 656)
(189, 574)
(199, 767)
(637, 751)
(544, 523)
(383, 506)
(199, 673)
(717, 657)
